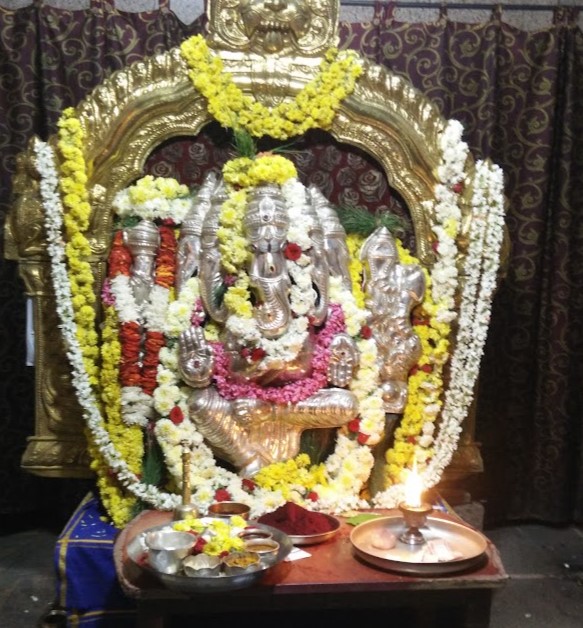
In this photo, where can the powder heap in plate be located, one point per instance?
(295, 520)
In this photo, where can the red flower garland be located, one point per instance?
(130, 340)
(132, 336)
(120, 259)
(166, 258)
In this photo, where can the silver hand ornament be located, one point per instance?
(344, 357)
(196, 358)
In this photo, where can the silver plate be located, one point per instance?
(312, 539)
(403, 558)
(137, 550)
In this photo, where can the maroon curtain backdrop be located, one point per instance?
(515, 93)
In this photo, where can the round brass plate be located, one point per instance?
(403, 558)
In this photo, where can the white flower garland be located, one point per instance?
(53, 225)
(447, 211)
(444, 280)
(486, 234)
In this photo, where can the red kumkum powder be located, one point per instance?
(293, 519)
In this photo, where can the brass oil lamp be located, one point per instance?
(415, 510)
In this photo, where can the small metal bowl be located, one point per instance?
(201, 566)
(229, 509)
(167, 548)
(241, 563)
(254, 533)
(267, 549)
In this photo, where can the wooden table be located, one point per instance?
(331, 584)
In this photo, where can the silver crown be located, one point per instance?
(266, 209)
(192, 224)
(379, 245)
(210, 222)
(326, 213)
(143, 239)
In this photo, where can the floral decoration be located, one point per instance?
(314, 107)
(139, 387)
(214, 537)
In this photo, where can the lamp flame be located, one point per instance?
(413, 488)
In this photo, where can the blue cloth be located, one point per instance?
(87, 585)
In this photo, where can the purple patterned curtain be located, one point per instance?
(518, 95)
(515, 93)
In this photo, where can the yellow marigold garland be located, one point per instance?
(354, 244)
(128, 440)
(72, 183)
(232, 240)
(314, 106)
(425, 384)
(294, 475)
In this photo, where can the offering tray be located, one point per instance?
(402, 558)
(137, 552)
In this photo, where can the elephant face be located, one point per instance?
(266, 225)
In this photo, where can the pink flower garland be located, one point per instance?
(294, 391)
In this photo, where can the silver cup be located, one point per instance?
(167, 548)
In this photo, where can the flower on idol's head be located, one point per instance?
(292, 251)
(362, 438)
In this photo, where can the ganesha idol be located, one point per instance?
(271, 348)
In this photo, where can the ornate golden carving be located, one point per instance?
(24, 230)
(285, 27)
(142, 106)
(57, 457)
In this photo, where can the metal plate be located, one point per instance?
(312, 539)
(137, 551)
(403, 558)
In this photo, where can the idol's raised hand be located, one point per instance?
(195, 358)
